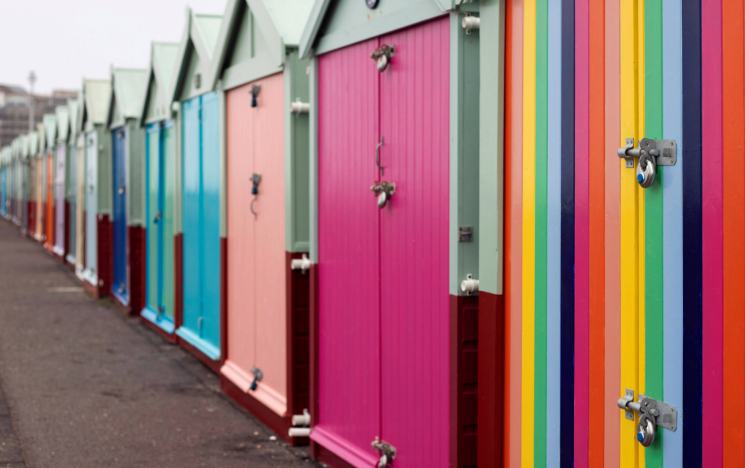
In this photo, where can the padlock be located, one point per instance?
(645, 430)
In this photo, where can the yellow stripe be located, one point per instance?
(629, 224)
(640, 215)
(528, 344)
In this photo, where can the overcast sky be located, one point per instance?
(65, 40)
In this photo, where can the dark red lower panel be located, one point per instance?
(490, 374)
(298, 339)
(137, 263)
(328, 457)
(316, 450)
(82, 233)
(280, 425)
(66, 246)
(464, 358)
(223, 299)
(105, 253)
(178, 280)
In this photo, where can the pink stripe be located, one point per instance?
(516, 223)
(582, 234)
(712, 235)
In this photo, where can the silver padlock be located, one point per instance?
(384, 191)
(645, 430)
(646, 170)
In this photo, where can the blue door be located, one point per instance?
(201, 224)
(4, 189)
(119, 284)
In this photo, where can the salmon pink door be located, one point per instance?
(383, 272)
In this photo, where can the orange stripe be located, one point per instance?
(597, 232)
(612, 234)
(734, 232)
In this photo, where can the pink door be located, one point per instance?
(415, 301)
(256, 261)
(383, 273)
(348, 267)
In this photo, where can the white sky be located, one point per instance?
(65, 40)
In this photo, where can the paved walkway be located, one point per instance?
(81, 385)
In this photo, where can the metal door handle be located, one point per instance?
(157, 218)
(121, 190)
(377, 156)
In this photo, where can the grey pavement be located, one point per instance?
(81, 385)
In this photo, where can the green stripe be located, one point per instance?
(541, 228)
(653, 218)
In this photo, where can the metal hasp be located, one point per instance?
(256, 180)
(651, 153)
(383, 55)
(258, 375)
(384, 191)
(465, 233)
(652, 413)
(387, 452)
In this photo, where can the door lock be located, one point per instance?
(387, 452)
(384, 191)
(652, 413)
(651, 153)
(383, 55)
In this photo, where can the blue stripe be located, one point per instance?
(672, 184)
(567, 232)
(553, 284)
(692, 260)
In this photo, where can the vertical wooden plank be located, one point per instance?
(712, 235)
(629, 231)
(541, 214)
(514, 243)
(733, 432)
(553, 229)
(692, 227)
(653, 220)
(672, 183)
(596, 259)
(567, 229)
(528, 251)
(582, 234)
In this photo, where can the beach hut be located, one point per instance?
(49, 171)
(71, 172)
(61, 208)
(266, 90)
(394, 231)
(37, 160)
(201, 226)
(31, 191)
(23, 182)
(92, 116)
(81, 193)
(14, 181)
(160, 190)
(3, 182)
(128, 179)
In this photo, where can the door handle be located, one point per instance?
(377, 156)
(157, 218)
(121, 190)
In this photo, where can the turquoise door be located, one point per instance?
(159, 216)
(201, 224)
(119, 286)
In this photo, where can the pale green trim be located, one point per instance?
(248, 71)
(178, 165)
(311, 28)
(223, 164)
(491, 187)
(421, 12)
(296, 139)
(464, 152)
(136, 167)
(313, 161)
(104, 183)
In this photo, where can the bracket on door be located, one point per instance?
(667, 415)
(387, 452)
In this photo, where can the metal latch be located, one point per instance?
(383, 55)
(258, 375)
(465, 233)
(384, 191)
(470, 23)
(387, 452)
(652, 413)
(651, 153)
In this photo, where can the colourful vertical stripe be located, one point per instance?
(567, 230)
(553, 228)
(672, 184)
(692, 247)
(582, 233)
(712, 236)
(528, 290)
(733, 431)
(653, 220)
(612, 234)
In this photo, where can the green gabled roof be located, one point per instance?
(72, 107)
(361, 23)
(33, 144)
(63, 123)
(280, 23)
(50, 127)
(24, 146)
(200, 35)
(127, 88)
(95, 102)
(163, 58)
